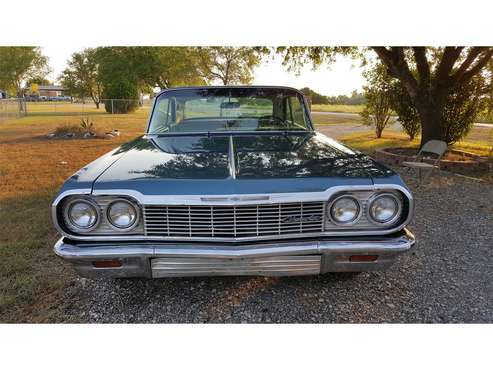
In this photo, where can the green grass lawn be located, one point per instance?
(368, 143)
(337, 108)
(325, 119)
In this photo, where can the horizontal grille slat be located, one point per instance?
(234, 221)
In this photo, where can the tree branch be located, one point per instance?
(449, 57)
(480, 64)
(471, 56)
(422, 65)
(398, 67)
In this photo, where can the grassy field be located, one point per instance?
(337, 108)
(33, 168)
(367, 142)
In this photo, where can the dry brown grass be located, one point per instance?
(32, 169)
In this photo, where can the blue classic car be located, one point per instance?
(231, 180)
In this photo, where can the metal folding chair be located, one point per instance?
(435, 147)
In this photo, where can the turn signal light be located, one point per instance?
(363, 258)
(106, 264)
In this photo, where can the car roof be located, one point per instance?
(230, 87)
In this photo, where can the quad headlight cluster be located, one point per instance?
(84, 215)
(381, 209)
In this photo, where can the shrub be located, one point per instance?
(122, 97)
(403, 107)
(461, 110)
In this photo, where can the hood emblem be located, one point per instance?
(235, 198)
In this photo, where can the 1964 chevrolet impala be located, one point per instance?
(231, 181)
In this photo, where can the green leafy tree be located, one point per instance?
(121, 81)
(81, 77)
(228, 65)
(315, 97)
(38, 81)
(461, 108)
(439, 74)
(166, 67)
(378, 97)
(21, 63)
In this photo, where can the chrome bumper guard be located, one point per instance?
(304, 257)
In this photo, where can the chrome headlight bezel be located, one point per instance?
(71, 225)
(397, 215)
(118, 228)
(333, 202)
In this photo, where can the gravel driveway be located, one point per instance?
(447, 278)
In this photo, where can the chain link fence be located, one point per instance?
(16, 108)
(12, 108)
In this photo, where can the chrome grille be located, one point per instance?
(241, 221)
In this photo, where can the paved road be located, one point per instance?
(354, 115)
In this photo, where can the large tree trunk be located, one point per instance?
(430, 115)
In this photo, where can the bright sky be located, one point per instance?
(341, 78)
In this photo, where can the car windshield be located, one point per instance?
(229, 109)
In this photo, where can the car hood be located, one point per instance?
(236, 164)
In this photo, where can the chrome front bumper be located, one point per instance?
(304, 257)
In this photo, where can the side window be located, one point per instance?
(297, 112)
(163, 111)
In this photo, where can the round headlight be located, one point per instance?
(82, 214)
(384, 208)
(122, 214)
(344, 210)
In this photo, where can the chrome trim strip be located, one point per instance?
(236, 199)
(231, 161)
(273, 198)
(392, 245)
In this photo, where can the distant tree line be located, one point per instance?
(355, 98)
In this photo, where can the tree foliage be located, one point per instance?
(81, 77)
(403, 106)
(439, 73)
(118, 71)
(21, 63)
(166, 67)
(462, 107)
(228, 65)
(38, 80)
(315, 97)
(378, 97)
(442, 76)
(355, 98)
